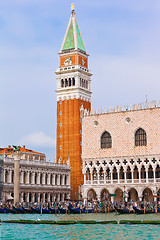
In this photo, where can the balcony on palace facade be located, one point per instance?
(122, 181)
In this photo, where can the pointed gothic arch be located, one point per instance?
(106, 140)
(140, 137)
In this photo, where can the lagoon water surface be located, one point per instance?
(80, 231)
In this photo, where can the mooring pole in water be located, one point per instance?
(41, 209)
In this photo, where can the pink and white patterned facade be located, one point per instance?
(125, 168)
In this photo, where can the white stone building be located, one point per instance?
(39, 180)
(121, 153)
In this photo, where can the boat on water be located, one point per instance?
(63, 210)
(78, 210)
(2, 210)
(54, 210)
(143, 211)
(19, 210)
(38, 210)
(10, 210)
(27, 210)
(124, 210)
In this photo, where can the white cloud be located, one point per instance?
(38, 139)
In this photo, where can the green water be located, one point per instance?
(20, 231)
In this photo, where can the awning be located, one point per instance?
(9, 197)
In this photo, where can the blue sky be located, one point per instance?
(122, 38)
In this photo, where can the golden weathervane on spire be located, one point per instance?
(72, 6)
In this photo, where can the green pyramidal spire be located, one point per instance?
(73, 38)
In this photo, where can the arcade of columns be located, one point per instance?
(38, 181)
(136, 178)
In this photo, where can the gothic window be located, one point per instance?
(62, 83)
(140, 137)
(106, 140)
(73, 81)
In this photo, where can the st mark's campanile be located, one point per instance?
(73, 93)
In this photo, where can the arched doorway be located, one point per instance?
(119, 195)
(147, 195)
(105, 195)
(133, 195)
(91, 195)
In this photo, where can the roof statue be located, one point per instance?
(73, 38)
(16, 148)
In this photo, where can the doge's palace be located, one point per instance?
(121, 153)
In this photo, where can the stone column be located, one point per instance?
(27, 194)
(68, 179)
(125, 176)
(21, 177)
(58, 178)
(38, 197)
(112, 199)
(38, 178)
(62, 197)
(154, 175)
(53, 179)
(33, 178)
(32, 197)
(58, 197)
(98, 197)
(91, 178)
(139, 173)
(132, 176)
(48, 179)
(48, 197)
(63, 178)
(146, 175)
(43, 178)
(27, 177)
(43, 197)
(111, 177)
(21, 198)
(9, 178)
(16, 178)
(84, 179)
